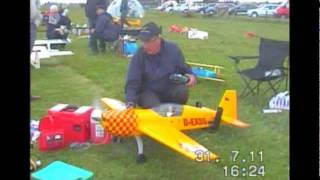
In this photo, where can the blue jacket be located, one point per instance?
(105, 29)
(152, 71)
(91, 7)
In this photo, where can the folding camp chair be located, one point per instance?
(269, 68)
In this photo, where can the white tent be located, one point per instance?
(135, 9)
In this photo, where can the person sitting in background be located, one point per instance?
(105, 29)
(58, 24)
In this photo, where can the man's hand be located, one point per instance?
(91, 31)
(192, 80)
(130, 105)
(59, 30)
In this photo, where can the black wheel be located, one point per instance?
(198, 104)
(254, 15)
(141, 158)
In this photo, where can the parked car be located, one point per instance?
(202, 10)
(241, 9)
(263, 10)
(282, 10)
(222, 8)
(225, 5)
(210, 10)
(194, 7)
(166, 4)
(177, 8)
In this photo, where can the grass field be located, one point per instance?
(81, 79)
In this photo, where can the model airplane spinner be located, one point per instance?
(165, 122)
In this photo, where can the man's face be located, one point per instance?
(53, 11)
(152, 46)
(99, 11)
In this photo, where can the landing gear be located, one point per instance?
(141, 158)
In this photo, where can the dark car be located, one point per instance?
(225, 5)
(211, 10)
(241, 9)
(218, 8)
(203, 9)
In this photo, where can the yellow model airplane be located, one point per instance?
(164, 124)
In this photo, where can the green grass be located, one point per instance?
(81, 79)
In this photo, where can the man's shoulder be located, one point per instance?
(169, 45)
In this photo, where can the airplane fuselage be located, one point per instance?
(125, 123)
(190, 118)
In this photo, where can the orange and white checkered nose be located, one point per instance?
(120, 123)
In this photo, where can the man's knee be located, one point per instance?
(178, 94)
(148, 99)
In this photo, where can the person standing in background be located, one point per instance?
(90, 11)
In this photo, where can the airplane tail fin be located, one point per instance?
(227, 110)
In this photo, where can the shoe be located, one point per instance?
(35, 97)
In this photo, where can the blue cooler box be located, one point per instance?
(61, 171)
(130, 47)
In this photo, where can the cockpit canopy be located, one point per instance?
(168, 109)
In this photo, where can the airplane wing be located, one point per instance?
(113, 104)
(176, 140)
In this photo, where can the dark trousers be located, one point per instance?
(176, 93)
(93, 41)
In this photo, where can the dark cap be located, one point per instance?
(148, 31)
(100, 7)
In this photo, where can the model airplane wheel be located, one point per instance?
(198, 104)
(141, 158)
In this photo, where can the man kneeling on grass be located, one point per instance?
(105, 29)
(148, 81)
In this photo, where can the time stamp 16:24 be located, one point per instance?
(241, 168)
